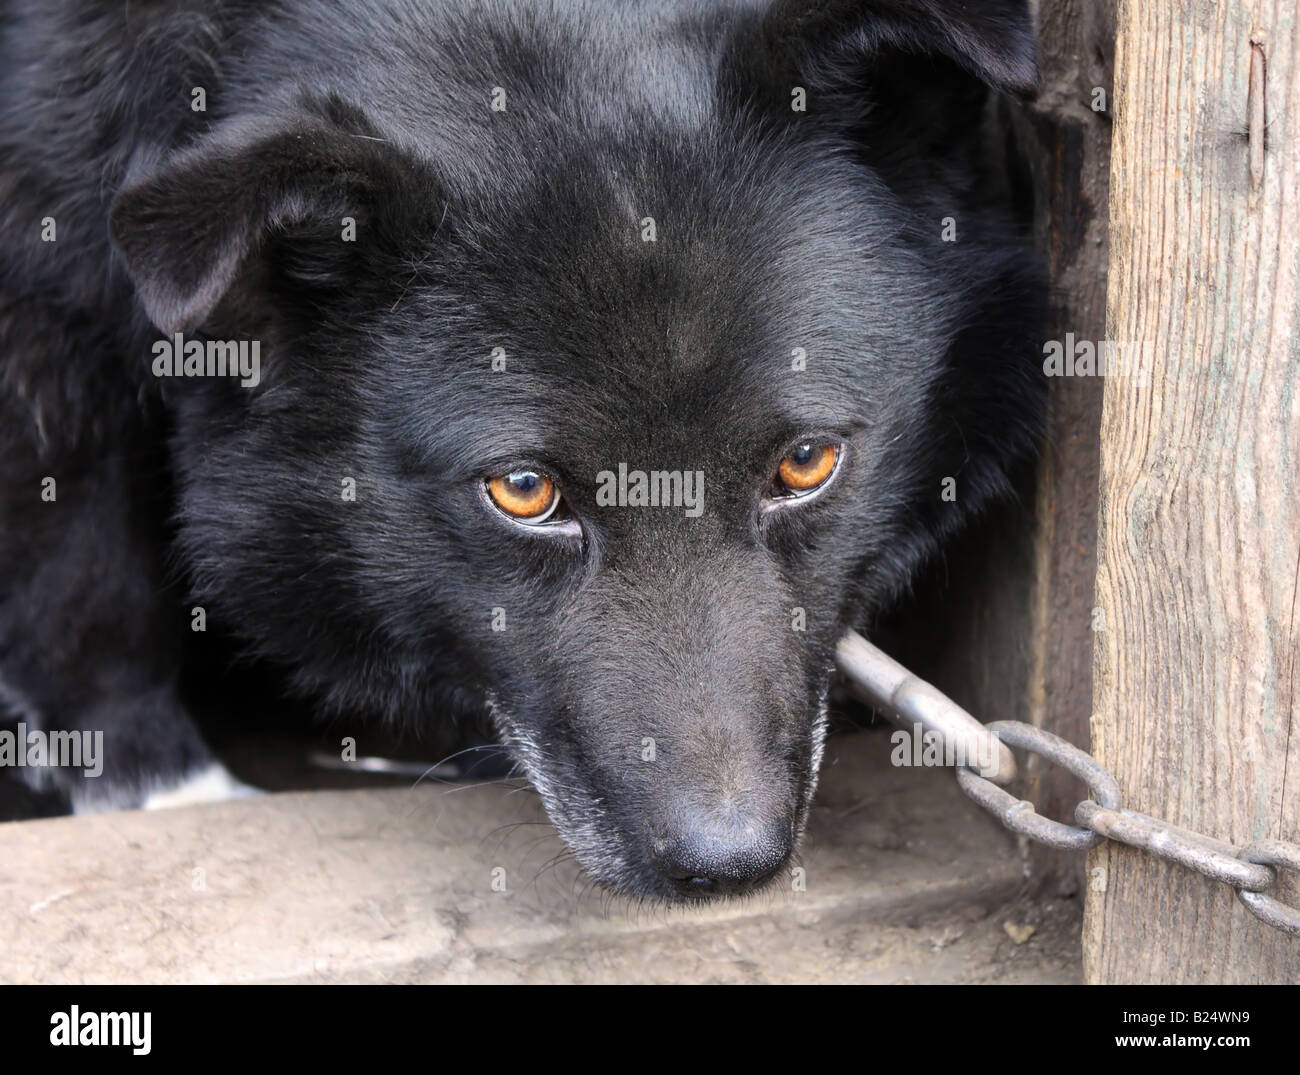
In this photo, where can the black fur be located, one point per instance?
(520, 229)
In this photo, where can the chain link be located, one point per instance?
(1205, 855)
(1251, 870)
(1281, 855)
(1019, 815)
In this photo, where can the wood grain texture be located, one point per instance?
(1195, 680)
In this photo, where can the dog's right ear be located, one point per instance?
(188, 230)
(829, 40)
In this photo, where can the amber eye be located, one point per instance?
(807, 467)
(524, 495)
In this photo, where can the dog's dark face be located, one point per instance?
(431, 498)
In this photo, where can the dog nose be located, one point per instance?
(710, 858)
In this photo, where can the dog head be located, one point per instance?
(606, 396)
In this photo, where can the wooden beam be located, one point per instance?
(1196, 705)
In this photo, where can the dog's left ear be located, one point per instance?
(991, 39)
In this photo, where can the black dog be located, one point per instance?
(587, 366)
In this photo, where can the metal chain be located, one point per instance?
(1251, 870)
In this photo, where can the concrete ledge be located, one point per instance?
(397, 886)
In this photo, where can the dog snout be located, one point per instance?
(708, 856)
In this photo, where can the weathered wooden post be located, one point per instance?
(1197, 672)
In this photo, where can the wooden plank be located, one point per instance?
(1195, 679)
